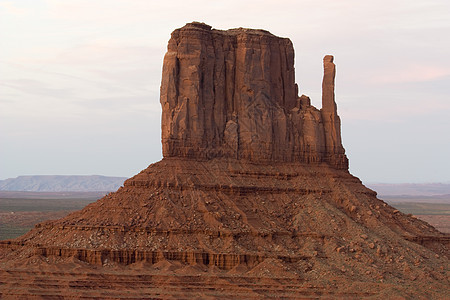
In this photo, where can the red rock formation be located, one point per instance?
(330, 118)
(253, 198)
(233, 94)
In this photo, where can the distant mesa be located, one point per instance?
(253, 198)
(62, 183)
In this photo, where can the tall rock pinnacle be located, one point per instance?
(329, 73)
(330, 118)
(233, 94)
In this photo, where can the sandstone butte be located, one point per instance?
(253, 198)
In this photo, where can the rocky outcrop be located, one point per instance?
(231, 224)
(253, 197)
(233, 94)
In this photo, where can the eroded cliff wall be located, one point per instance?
(233, 94)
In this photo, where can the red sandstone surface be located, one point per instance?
(252, 199)
(233, 94)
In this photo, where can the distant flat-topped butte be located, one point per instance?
(252, 199)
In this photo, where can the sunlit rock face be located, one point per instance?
(253, 199)
(233, 94)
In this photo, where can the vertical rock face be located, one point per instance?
(233, 94)
(330, 118)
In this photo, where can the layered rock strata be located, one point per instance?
(290, 230)
(252, 199)
(233, 94)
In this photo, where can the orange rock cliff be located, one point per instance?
(233, 94)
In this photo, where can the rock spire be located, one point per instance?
(330, 119)
(233, 94)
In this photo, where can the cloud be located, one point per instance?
(11, 8)
(36, 88)
(410, 73)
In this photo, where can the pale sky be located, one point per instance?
(79, 80)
